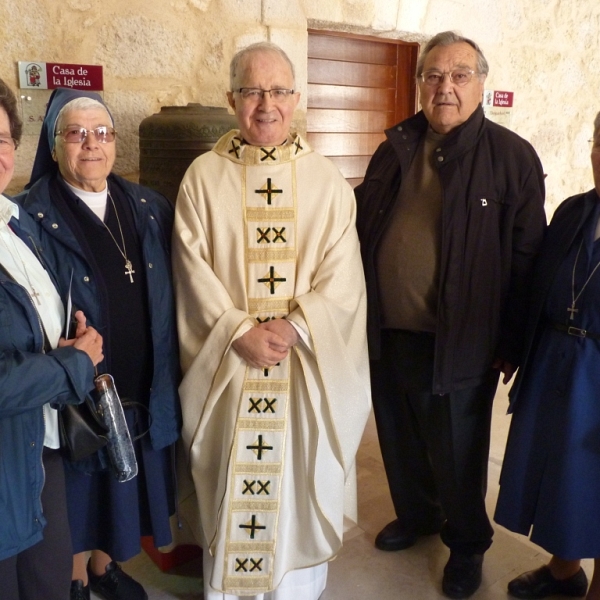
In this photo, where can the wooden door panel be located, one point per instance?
(355, 74)
(343, 144)
(351, 166)
(351, 50)
(350, 98)
(354, 182)
(357, 88)
(349, 121)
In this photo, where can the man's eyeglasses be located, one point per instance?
(7, 145)
(77, 135)
(458, 77)
(257, 94)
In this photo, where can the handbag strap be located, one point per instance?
(125, 403)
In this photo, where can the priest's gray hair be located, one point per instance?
(447, 38)
(236, 65)
(82, 103)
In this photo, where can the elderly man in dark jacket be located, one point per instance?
(450, 217)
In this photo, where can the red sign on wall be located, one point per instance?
(504, 99)
(48, 76)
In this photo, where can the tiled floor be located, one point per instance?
(362, 572)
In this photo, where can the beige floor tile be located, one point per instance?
(361, 572)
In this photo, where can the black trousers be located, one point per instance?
(43, 571)
(435, 448)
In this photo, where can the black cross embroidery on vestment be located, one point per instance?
(272, 279)
(267, 190)
(259, 447)
(235, 148)
(268, 154)
(263, 487)
(264, 319)
(269, 405)
(241, 564)
(298, 146)
(263, 235)
(249, 489)
(252, 526)
(267, 370)
(256, 564)
(279, 234)
(255, 405)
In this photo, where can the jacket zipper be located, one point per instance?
(39, 320)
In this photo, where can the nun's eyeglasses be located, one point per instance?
(77, 135)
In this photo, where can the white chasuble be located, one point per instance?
(261, 234)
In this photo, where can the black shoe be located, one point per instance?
(79, 591)
(462, 575)
(115, 584)
(395, 535)
(540, 583)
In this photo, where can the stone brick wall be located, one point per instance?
(171, 52)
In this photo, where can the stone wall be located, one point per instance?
(171, 52)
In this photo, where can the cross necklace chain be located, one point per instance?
(35, 295)
(572, 310)
(128, 265)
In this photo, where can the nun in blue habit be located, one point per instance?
(111, 241)
(550, 481)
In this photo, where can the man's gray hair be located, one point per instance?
(82, 103)
(237, 61)
(446, 38)
(597, 126)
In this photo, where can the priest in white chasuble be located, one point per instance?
(271, 313)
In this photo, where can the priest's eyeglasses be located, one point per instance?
(257, 94)
(77, 135)
(458, 77)
(7, 144)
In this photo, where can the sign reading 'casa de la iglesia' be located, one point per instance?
(48, 76)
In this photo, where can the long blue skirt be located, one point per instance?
(550, 481)
(107, 515)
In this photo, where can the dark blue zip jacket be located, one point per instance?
(153, 216)
(28, 380)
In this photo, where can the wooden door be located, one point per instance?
(357, 87)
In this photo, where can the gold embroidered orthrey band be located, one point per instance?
(269, 202)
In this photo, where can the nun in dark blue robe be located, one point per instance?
(130, 300)
(550, 480)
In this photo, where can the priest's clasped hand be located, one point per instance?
(284, 329)
(267, 343)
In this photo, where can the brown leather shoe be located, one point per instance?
(540, 583)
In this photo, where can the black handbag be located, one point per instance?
(81, 430)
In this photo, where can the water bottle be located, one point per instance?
(120, 447)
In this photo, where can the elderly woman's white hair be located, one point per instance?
(82, 103)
